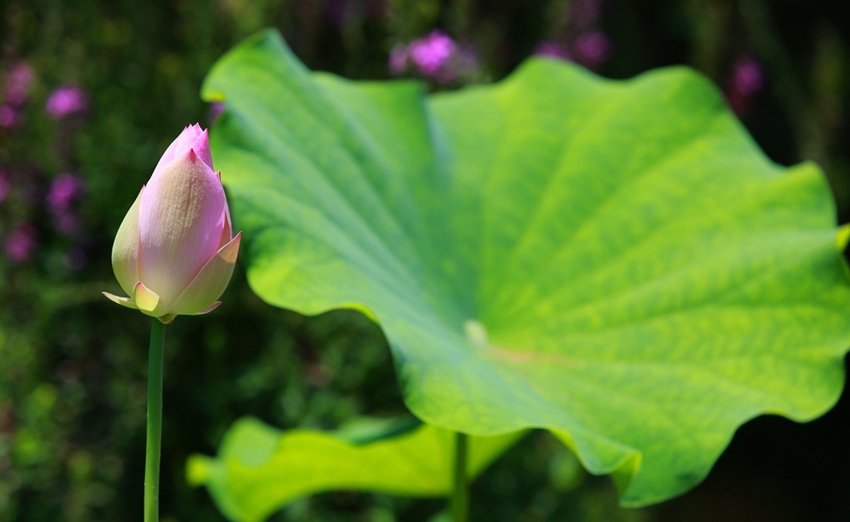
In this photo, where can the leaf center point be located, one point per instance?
(476, 333)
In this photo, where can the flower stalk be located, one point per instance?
(154, 432)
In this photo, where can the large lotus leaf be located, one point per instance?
(260, 469)
(615, 261)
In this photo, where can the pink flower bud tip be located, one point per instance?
(175, 251)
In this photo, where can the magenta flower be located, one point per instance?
(65, 101)
(593, 48)
(744, 82)
(20, 245)
(747, 76)
(174, 253)
(18, 84)
(431, 53)
(552, 50)
(397, 62)
(64, 189)
(8, 116)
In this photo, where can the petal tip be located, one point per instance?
(123, 301)
(148, 301)
(210, 308)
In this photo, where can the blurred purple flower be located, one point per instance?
(432, 52)
(397, 62)
(65, 101)
(21, 243)
(593, 48)
(18, 84)
(64, 189)
(8, 116)
(747, 76)
(215, 111)
(745, 80)
(552, 50)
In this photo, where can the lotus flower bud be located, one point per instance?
(174, 252)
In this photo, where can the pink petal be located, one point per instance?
(201, 146)
(181, 221)
(202, 293)
(192, 137)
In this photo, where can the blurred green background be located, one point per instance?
(93, 92)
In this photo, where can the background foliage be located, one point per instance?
(113, 82)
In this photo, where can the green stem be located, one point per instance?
(154, 444)
(460, 492)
